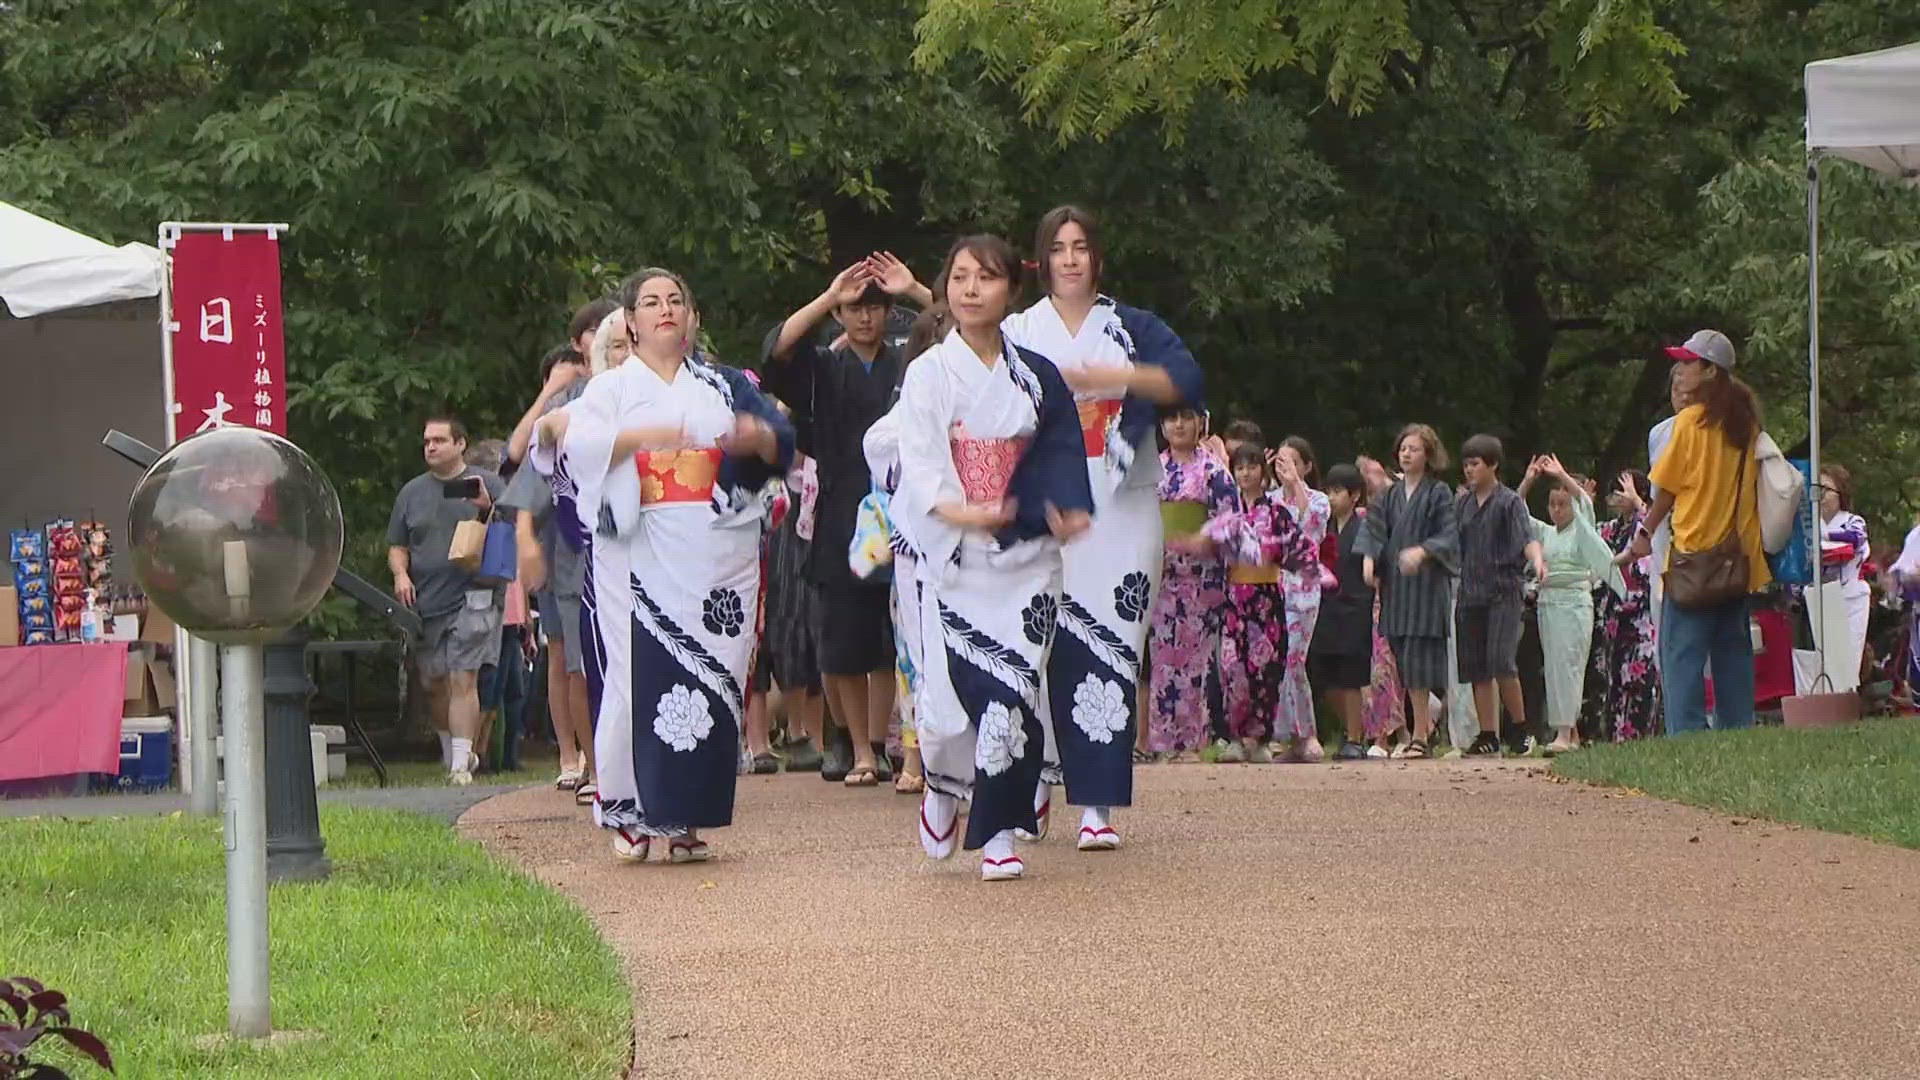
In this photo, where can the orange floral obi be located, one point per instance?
(986, 466)
(1095, 416)
(677, 476)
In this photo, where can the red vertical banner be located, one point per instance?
(229, 355)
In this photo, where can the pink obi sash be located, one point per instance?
(986, 466)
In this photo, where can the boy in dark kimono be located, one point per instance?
(1340, 660)
(1409, 551)
(1496, 547)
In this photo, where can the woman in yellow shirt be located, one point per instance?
(1706, 481)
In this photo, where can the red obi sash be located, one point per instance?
(1094, 418)
(986, 466)
(677, 476)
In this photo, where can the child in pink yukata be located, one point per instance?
(1259, 540)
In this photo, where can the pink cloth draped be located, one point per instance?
(60, 709)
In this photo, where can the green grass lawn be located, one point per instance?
(421, 957)
(1862, 779)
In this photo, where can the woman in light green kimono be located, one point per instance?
(1577, 559)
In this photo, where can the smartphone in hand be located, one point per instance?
(465, 487)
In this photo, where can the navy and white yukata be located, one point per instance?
(675, 590)
(1112, 572)
(972, 433)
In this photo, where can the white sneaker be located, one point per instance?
(1259, 755)
(463, 776)
(939, 824)
(687, 849)
(1377, 752)
(631, 848)
(1042, 814)
(998, 860)
(1096, 832)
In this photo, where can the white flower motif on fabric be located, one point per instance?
(1001, 741)
(682, 720)
(1099, 708)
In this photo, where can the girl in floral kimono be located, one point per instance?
(1297, 473)
(1260, 541)
(993, 479)
(1123, 365)
(1623, 688)
(668, 455)
(1577, 558)
(1185, 626)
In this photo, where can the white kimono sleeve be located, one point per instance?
(927, 475)
(594, 422)
(881, 446)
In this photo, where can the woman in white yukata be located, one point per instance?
(1122, 364)
(881, 445)
(667, 455)
(992, 481)
(1576, 559)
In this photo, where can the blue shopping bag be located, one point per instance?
(1793, 565)
(499, 562)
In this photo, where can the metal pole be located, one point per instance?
(203, 790)
(249, 1005)
(1813, 408)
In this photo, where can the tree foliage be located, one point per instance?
(1083, 67)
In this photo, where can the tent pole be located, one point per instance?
(1813, 406)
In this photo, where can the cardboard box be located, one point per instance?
(9, 615)
(139, 699)
(156, 628)
(160, 674)
(125, 628)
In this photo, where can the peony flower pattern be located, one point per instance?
(682, 719)
(721, 613)
(1130, 597)
(1036, 619)
(1099, 708)
(1001, 741)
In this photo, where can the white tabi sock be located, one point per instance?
(1000, 847)
(1094, 817)
(462, 750)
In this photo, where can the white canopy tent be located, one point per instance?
(1866, 109)
(47, 267)
(79, 353)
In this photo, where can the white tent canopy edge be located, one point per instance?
(1864, 108)
(45, 267)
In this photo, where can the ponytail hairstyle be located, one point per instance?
(1730, 406)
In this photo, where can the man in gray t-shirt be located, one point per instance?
(460, 617)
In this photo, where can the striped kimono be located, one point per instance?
(1111, 574)
(974, 434)
(675, 571)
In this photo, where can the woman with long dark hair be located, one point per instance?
(1124, 366)
(1622, 697)
(993, 480)
(1707, 482)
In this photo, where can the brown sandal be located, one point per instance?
(909, 784)
(863, 776)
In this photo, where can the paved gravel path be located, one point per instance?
(1432, 920)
